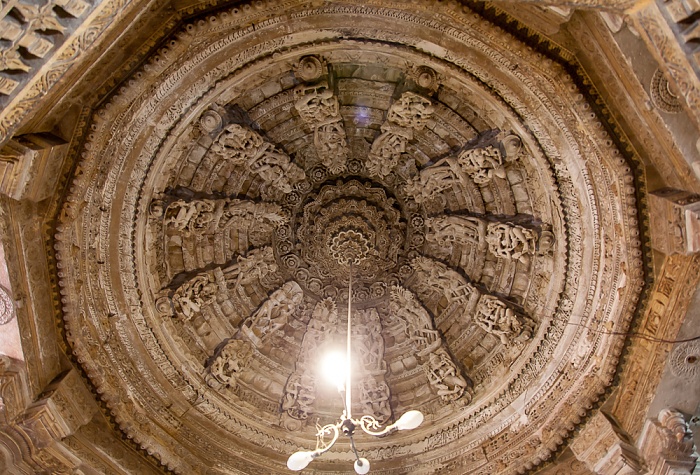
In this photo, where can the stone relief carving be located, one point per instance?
(443, 375)
(229, 364)
(300, 390)
(410, 112)
(198, 292)
(273, 314)
(213, 216)
(482, 164)
(245, 147)
(496, 318)
(431, 182)
(319, 108)
(453, 229)
(511, 241)
(437, 277)
(374, 397)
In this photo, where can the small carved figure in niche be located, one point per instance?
(245, 147)
(374, 397)
(411, 111)
(438, 277)
(274, 313)
(444, 377)
(227, 367)
(194, 294)
(511, 241)
(419, 326)
(190, 217)
(482, 164)
(464, 230)
(494, 317)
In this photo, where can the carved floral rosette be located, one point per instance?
(147, 141)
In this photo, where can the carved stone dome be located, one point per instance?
(224, 187)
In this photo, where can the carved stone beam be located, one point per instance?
(675, 221)
(605, 448)
(666, 444)
(606, 5)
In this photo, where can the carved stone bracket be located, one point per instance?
(410, 112)
(511, 241)
(320, 110)
(496, 318)
(666, 444)
(605, 448)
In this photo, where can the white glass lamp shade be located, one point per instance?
(299, 460)
(362, 466)
(410, 420)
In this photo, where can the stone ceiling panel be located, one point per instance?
(199, 245)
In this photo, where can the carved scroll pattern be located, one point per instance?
(411, 112)
(319, 109)
(443, 374)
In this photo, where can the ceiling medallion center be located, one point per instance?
(349, 247)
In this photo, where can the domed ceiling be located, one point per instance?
(202, 248)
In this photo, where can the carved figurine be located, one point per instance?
(194, 294)
(464, 230)
(494, 317)
(374, 397)
(273, 314)
(229, 364)
(482, 164)
(443, 375)
(511, 241)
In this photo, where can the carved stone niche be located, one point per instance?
(605, 449)
(675, 221)
(667, 445)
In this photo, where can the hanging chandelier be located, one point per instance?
(349, 248)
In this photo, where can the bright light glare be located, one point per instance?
(333, 368)
(299, 460)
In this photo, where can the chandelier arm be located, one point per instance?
(322, 448)
(367, 423)
(354, 449)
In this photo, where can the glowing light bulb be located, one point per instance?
(410, 420)
(362, 466)
(333, 368)
(299, 460)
